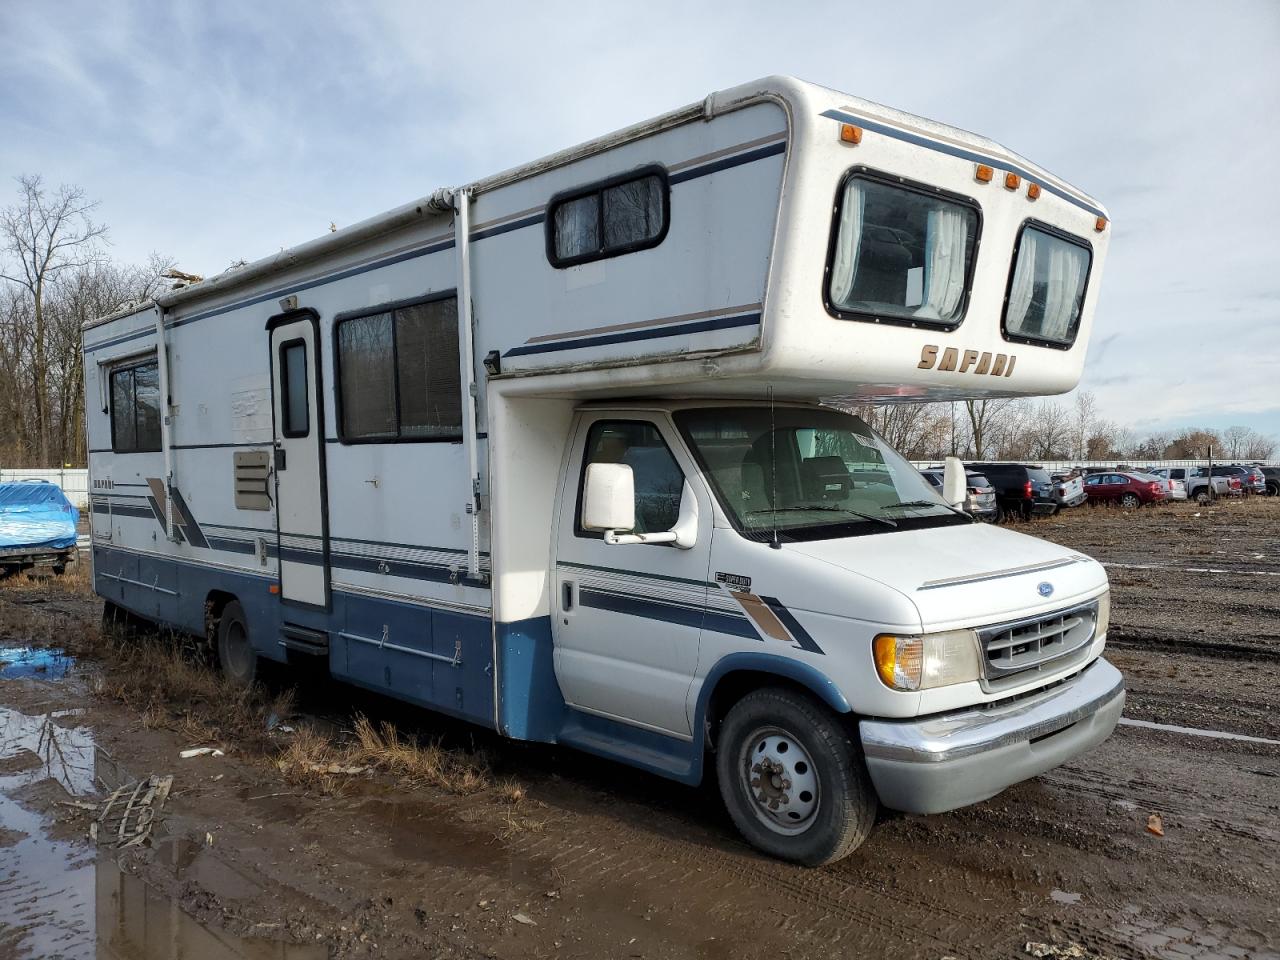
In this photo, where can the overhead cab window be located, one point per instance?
(1046, 288)
(135, 409)
(900, 252)
(399, 375)
(608, 219)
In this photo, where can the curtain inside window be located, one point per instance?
(1065, 276)
(577, 231)
(844, 267)
(944, 263)
(1024, 281)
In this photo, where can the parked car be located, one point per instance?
(1127, 489)
(1272, 476)
(980, 495)
(1021, 490)
(1257, 479)
(1174, 488)
(37, 527)
(1248, 483)
(1195, 482)
(1068, 489)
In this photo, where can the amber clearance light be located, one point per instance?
(850, 134)
(1011, 181)
(984, 173)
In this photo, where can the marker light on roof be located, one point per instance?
(850, 134)
(1033, 191)
(1011, 181)
(984, 173)
(1100, 224)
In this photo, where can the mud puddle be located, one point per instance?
(49, 664)
(58, 897)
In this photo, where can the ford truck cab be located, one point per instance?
(913, 656)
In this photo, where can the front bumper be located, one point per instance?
(951, 760)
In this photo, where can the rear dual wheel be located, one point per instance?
(793, 779)
(238, 659)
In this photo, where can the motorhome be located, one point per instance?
(562, 452)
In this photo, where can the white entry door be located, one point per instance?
(627, 618)
(301, 520)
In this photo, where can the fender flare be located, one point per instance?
(809, 677)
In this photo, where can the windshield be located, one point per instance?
(808, 474)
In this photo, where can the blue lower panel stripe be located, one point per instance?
(642, 607)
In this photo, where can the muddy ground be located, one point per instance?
(500, 849)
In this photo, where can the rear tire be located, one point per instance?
(792, 778)
(1130, 501)
(236, 656)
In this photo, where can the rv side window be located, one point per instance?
(608, 219)
(659, 481)
(293, 389)
(135, 409)
(1046, 288)
(900, 253)
(399, 375)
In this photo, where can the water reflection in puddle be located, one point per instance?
(50, 664)
(58, 899)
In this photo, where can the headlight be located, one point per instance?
(1104, 614)
(933, 660)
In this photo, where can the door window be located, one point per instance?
(294, 409)
(659, 481)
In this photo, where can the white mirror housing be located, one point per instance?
(955, 482)
(609, 497)
(683, 535)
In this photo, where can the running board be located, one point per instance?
(304, 640)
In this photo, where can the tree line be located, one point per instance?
(55, 275)
(1048, 429)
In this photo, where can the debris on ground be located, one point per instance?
(524, 918)
(1155, 825)
(200, 752)
(1063, 951)
(128, 813)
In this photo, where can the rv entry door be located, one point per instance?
(302, 534)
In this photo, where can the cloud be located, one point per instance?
(214, 132)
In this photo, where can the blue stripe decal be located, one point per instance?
(642, 607)
(508, 227)
(922, 141)
(653, 333)
(789, 621)
(726, 163)
(691, 174)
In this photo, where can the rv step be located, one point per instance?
(304, 640)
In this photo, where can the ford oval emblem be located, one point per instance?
(1046, 589)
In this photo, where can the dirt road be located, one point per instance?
(548, 853)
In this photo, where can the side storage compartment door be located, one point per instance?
(626, 619)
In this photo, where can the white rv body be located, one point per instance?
(450, 568)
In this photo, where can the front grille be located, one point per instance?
(1048, 642)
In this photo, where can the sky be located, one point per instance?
(215, 132)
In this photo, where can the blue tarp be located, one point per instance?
(37, 516)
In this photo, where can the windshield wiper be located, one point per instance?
(931, 503)
(827, 508)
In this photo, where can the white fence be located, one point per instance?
(1056, 466)
(74, 482)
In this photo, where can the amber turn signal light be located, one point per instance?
(984, 173)
(850, 134)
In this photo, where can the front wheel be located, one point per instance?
(236, 655)
(792, 778)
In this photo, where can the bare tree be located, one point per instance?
(44, 235)
(985, 417)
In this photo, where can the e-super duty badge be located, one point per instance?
(733, 581)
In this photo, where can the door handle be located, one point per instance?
(566, 595)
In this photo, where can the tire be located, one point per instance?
(806, 746)
(1203, 495)
(236, 655)
(1130, 501)
(1273, 489)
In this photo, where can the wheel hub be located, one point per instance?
(778, 775)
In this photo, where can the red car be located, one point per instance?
(1127, 489)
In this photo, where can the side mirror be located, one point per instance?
(609, 497)
(955, 483)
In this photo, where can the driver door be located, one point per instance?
(626, 618)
